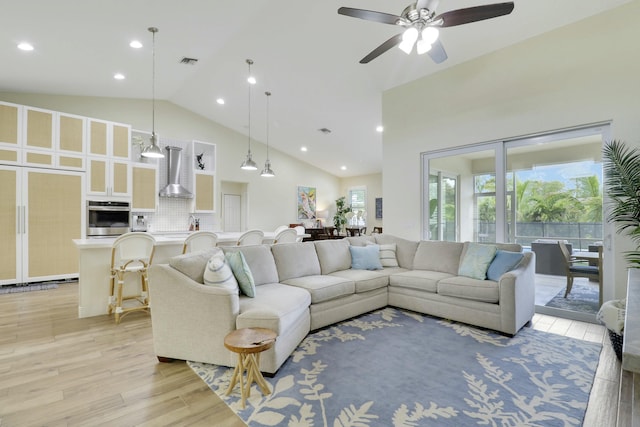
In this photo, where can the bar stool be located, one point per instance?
(130, 253)
(199, 240)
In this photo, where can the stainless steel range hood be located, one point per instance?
(173, 188)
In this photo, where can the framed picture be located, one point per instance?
(378, 207)
(306, 203)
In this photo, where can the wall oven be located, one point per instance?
(108, 218)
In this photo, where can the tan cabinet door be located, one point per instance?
(204, 192)
(10, 123)
(144, 187)
(10, 213)
(39, 129)
(54, 219)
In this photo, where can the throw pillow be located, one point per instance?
(476, 260)
(365, 257)
(503, 262)
(387, 255)
(242, 273)
(218, 273)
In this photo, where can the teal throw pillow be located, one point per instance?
(476, 260)
(365, 257)
(504, 261)
(242, 272)
(218, 273)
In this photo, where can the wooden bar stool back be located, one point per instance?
(131, 253)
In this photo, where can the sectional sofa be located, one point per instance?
(305, 286)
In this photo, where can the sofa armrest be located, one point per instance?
(190, 320)
(517, 294)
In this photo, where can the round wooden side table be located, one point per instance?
(249, 343)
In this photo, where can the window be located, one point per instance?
(358, 202)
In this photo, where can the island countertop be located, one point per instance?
(94, 261)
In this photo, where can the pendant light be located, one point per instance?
(248, 163)
(267, 172)
(153, 150)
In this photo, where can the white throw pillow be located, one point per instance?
(387, 255)
(218, 273)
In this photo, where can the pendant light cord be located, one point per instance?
(153, 31)
(249, 61)
(268, 96)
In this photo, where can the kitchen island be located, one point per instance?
(94, 262)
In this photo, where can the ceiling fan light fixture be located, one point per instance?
(409, 38)
(422, 47)
(430, 35)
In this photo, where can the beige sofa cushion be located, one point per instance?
(405, 249)
(193, 264)
(295, 260)
(440, 256)
(472, 289)
(333, 255)
(360, 240)
(260, 262)
(276, 307)
(323, 288)
(365, 280)
(418, 279)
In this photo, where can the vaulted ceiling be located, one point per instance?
(304, 53)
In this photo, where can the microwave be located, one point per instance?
(108, 218)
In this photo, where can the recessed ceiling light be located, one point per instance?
(135, 44)
(379, 128)
(118, 76)
(303, 149)
(220, 101)
(344, 168)
(25, 46)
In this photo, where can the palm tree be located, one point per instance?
(622, 181)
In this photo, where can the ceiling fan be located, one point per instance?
(422, 25)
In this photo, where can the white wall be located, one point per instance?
(584, 73)
(272, 201)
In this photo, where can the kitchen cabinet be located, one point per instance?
(108, 168)
(41, 212)
(144, 197)
(204, 173)
(70, 141)
(10, 124)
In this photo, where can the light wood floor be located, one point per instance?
(58, 370)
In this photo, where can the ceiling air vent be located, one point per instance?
(325, 130)
(188, 61)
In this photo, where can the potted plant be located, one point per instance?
(622, 183)
(340, 219)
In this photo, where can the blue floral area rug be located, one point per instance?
(583, 298)
(398, 368)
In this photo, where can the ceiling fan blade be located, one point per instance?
(392, 42)
(472, 14)
(370, 15)
(437, 52)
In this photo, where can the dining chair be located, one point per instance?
(288, 235)
(130, 253)
(279, 229)
(377, 230)
(199, 240)
(250, 237)
(575, 267)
